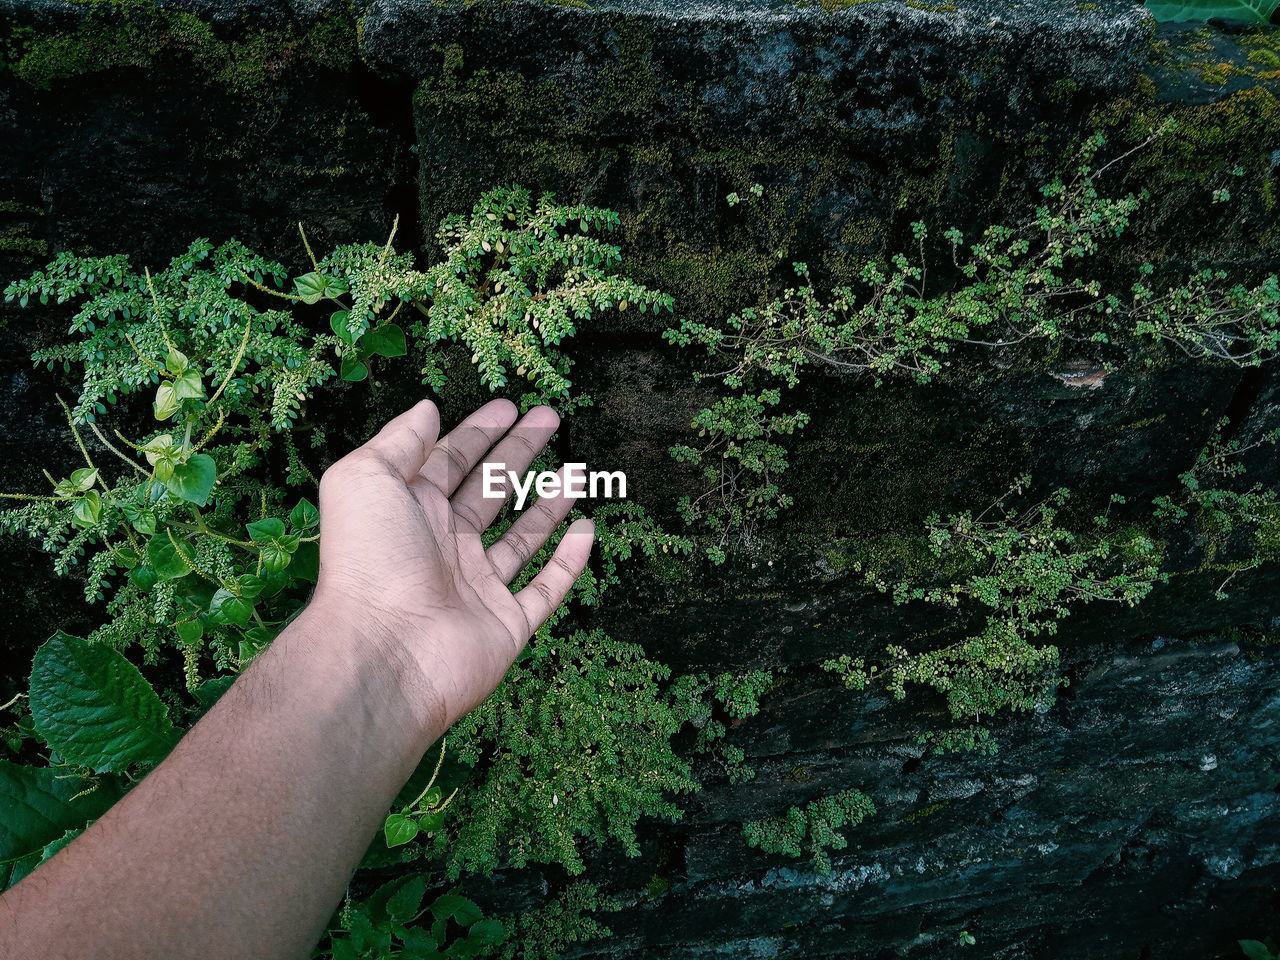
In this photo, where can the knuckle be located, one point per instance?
(469, 515)
(520, 545)
(458, 462)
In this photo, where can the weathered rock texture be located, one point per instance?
(1137, 817)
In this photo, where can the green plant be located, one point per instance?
(813, 829)
(567, 919)
(385, 925)
(196, 531)
(1019, 572)
(1030, 282)
(1211, 502)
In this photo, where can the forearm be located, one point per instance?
(240, 844)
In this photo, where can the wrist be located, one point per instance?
(392, 682)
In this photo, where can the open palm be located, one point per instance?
(401, 551)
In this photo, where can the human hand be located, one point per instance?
(402, 565)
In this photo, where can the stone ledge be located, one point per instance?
(752, 67)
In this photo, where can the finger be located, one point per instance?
(549, 588)
(525, 537)
(459, 450)
(514, 452)
(404, 443)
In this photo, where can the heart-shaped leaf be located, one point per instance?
(176, 362)
(226, 607)
(193, 480)
(304, 516)
(265, 530)
(142, 518)
(386, 341)
(275, 557)
(462, 910)
(399, 829)
(338, 323)
(84, 479)
(165, 560)
(87, 509)
(94, 708)
(354, 368)
(188, 386)
(143, 577)
(167, 402)
(314, 287)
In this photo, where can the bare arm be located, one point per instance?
(241, 842)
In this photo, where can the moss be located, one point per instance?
(28, 246)
(916, 816)
(1187, 164)
(835, 6)
(711, 282)
(657, 886)
(137, 35)
(1141, 424)
(13, 206)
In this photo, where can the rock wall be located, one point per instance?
(1135, 818)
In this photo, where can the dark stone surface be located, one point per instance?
(1141, 814)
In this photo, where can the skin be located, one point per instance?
(241, 843)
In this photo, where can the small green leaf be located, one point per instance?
(226, 607)
(193, 481)
(1255, 950)
(265, 530)
(314, 287)
(404, 904)
(462, 910)
(432, 797)
(167, 402)
(386, 341)
(399, 829)
(338, 323)
(165, 560)
(176, 362)
(304, 516)
(354, 368)
(84, 479)
(94, 708)
(488, 931)
(142, 518)
(88, 509)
